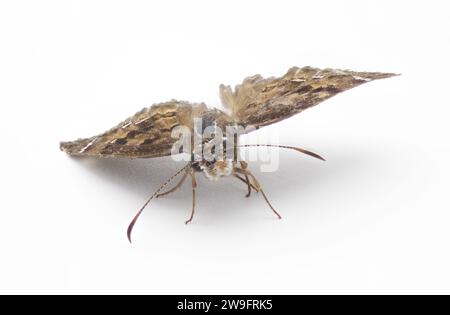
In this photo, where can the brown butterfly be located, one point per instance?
(255, 103)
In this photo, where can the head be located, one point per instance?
(216, 169)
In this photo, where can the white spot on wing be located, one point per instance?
(88, 145)
(338, 72)
(357, 77)
(141, 121)
(126, 125)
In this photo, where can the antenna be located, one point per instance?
(315, 155)
(133, 222)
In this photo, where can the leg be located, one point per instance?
(194, 186)
(138, 214)
(174, 188)
(246, 180)
(244, 166)
(255, 185)
(259, 188)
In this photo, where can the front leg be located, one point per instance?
(246, 180)
(258, 188)
(244, 166)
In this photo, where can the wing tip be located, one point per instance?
(65, 146)
(365, 77)
(385, 75)
(77, 147)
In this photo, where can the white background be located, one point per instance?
(374, 218)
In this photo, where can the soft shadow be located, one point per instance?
(296, 175)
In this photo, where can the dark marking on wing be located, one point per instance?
(259, 102)
(146, 134)
(256, 102)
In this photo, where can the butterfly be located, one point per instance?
(255, 103)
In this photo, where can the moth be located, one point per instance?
(255, 103)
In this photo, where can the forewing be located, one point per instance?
(146, 134)
(258, 102)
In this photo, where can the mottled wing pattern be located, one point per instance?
(259, 102)
(146, 134)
